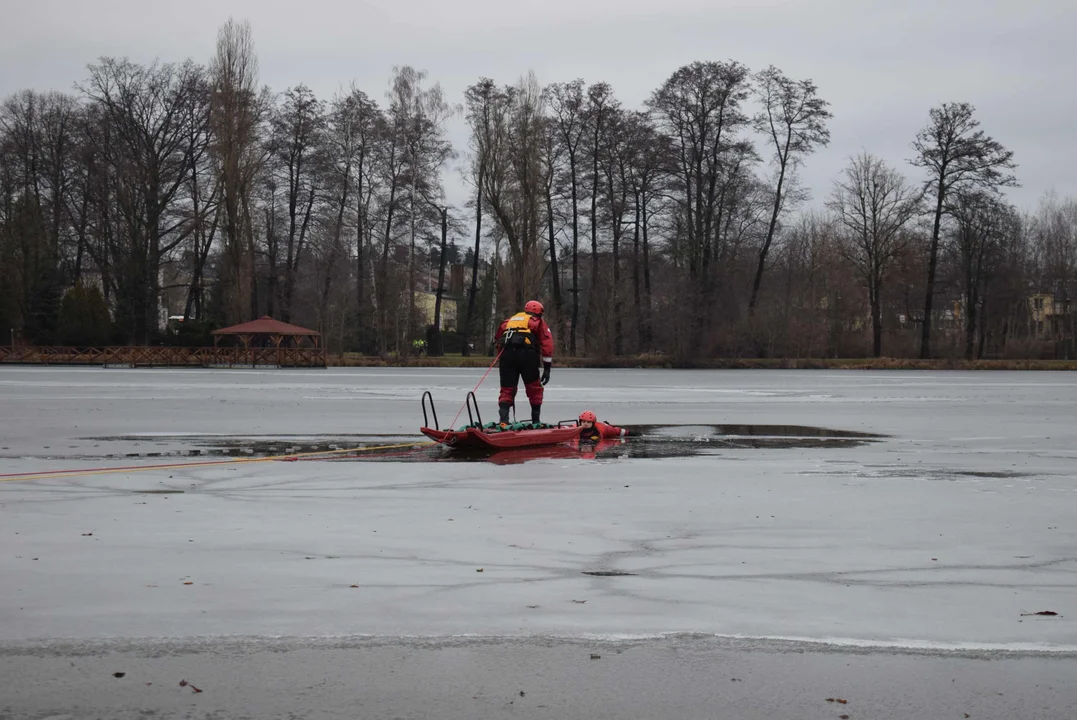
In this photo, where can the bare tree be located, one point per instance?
(873, 203)
(40, 132)
(982, 223)
(513, 179)
(812, 259)
(355, 127)
(650, 168)
(84, 172)
(701, 108)
(1053, 237)
(237, 116)
(957, 157)
(620, 152)
(147, 110)
(418, 115)
(391, 168)
(163, 181)
(484, 105)
(204, 194)
(793, 119)
(567, 106)
(551, 158)
(297, 161)
(600, 103)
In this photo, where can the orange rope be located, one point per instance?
(452, 425)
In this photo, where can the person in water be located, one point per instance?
(525, 341)
(592, 429)
(594, 437)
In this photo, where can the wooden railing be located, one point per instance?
(148, 356)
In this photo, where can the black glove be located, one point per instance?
(546, 372)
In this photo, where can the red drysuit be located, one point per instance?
(531, 349)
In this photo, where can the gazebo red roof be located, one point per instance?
(265, 325)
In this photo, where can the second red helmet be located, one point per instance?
(534, 307)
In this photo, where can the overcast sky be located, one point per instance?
(882, 64)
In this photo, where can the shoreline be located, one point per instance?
(635, 362)
(649, 362)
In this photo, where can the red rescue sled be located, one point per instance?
(483, 439)
(476, 436)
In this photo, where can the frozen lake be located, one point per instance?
(945, 534)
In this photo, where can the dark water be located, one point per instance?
(668, 441)
(654, 441)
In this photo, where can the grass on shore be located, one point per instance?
(655, 361)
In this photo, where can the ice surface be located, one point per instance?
(940, 535)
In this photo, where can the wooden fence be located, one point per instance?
(139, 356)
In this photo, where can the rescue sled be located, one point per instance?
(492, 436)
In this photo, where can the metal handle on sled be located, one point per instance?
(469, 401)
(426, 423)
(568, 423)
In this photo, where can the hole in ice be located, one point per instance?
(606, 573)
(653, 441)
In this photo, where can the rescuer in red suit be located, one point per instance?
(526, 342)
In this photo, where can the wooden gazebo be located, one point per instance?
(269, 341)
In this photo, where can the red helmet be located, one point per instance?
(587, 416)
(534, 307)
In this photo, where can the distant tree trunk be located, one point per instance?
(575, 257)
(775, 210)
(568, 103)
(616, 210)
(271, 260)
(555, 277)
(383, 274)
(360, 273)
(202, 241)
(932, 265)
(971, 300)
(295, 254)
(80, 230)
(195, 291)
(876, 315)
(470, 314)
(409, 309)
(592, 290)
(436, 348)
(970, 333)
(338, 232)
(252, 273)
(983, 327)
(640, 332)
(648, 330)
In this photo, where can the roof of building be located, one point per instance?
(265, 325)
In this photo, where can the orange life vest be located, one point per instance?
(518, 330)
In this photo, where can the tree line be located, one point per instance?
(679, 227)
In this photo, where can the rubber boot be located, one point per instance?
(503, 412)
(536, 411)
